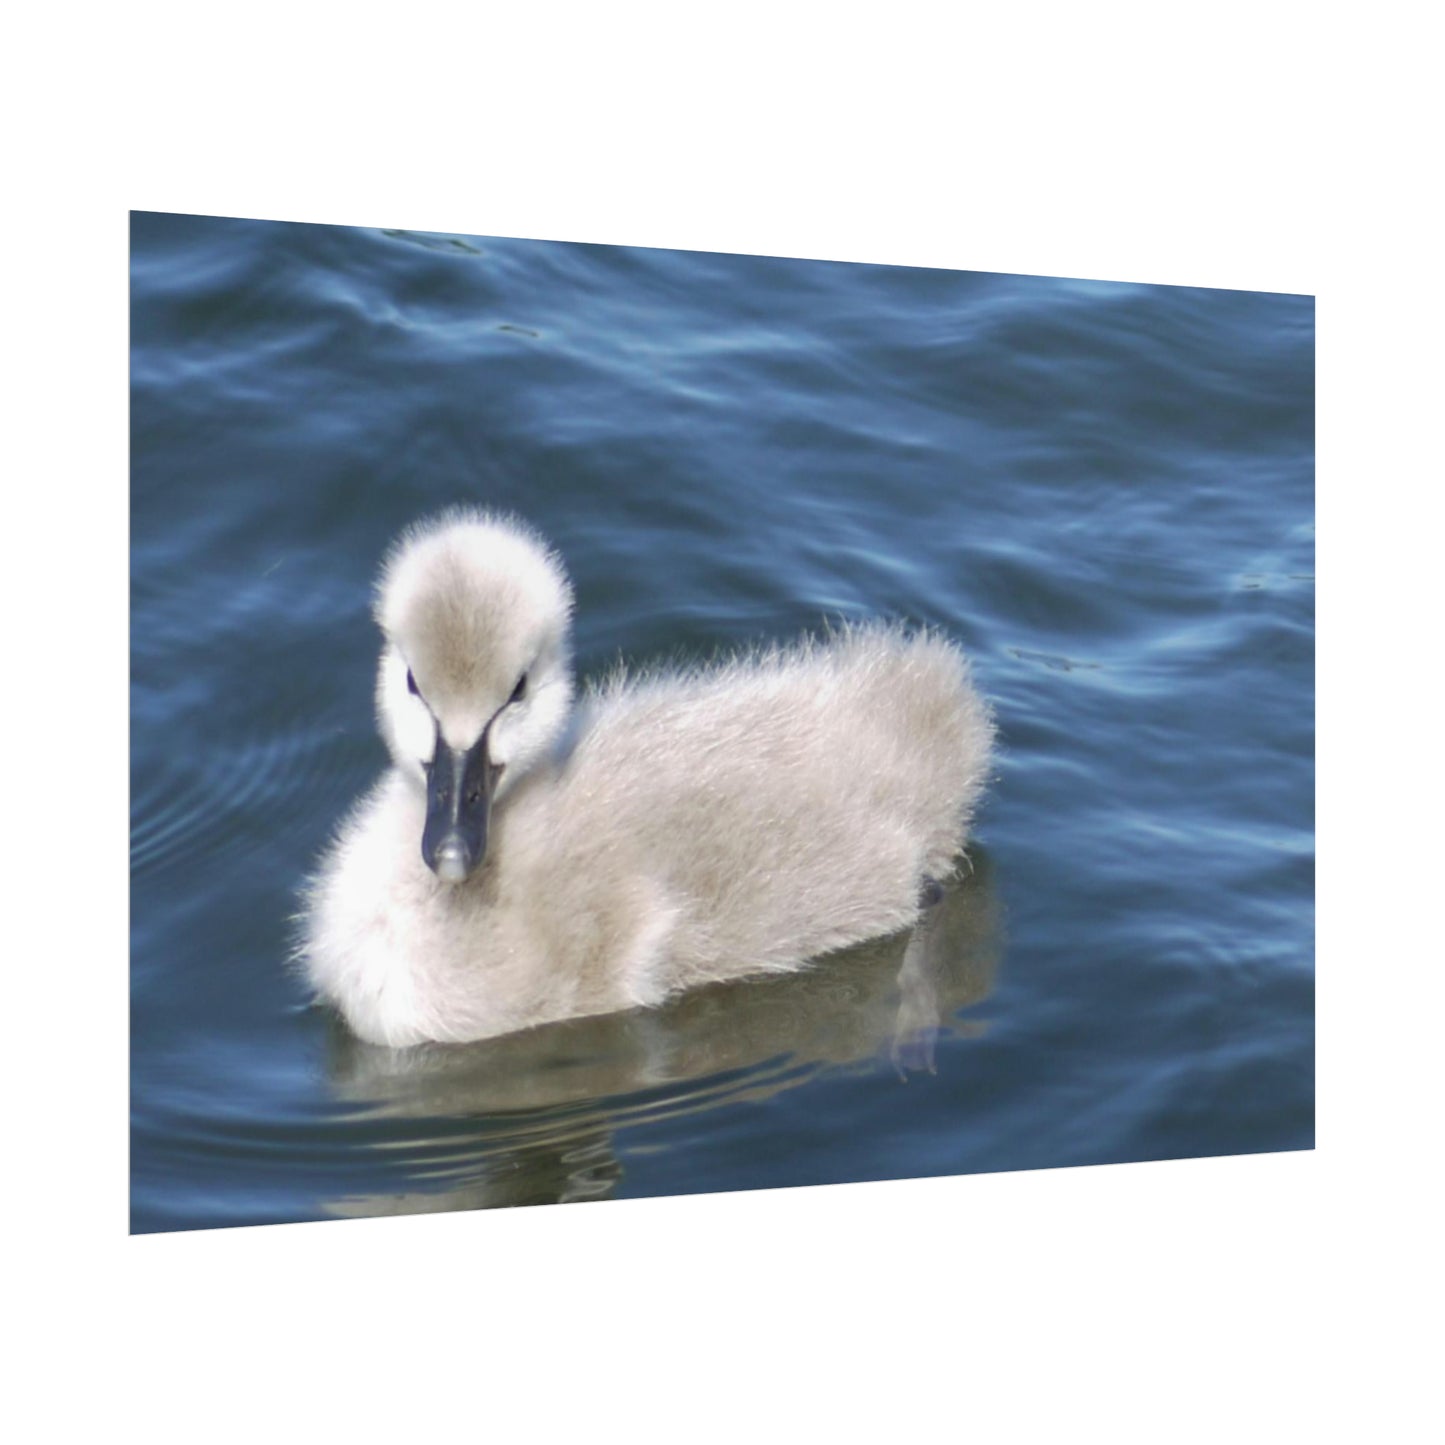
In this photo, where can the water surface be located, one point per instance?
(1103, 491)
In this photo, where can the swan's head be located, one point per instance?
(475, 682)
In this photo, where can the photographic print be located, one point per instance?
(612, 722)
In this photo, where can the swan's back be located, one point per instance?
(784, 804)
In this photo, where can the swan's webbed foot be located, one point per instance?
(912, 1051)
(917, 1027)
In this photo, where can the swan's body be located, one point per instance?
(685, 827)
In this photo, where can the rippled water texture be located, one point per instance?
(1105, 492)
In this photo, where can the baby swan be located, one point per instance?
(518, 864)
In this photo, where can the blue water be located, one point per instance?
(1103, 491)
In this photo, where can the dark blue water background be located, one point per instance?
(1104, 491)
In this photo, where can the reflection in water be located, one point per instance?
(529, 1118)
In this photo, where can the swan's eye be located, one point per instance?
(520, 691)
(411, 686)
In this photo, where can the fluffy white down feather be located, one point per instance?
(679, 827)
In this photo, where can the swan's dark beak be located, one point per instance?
(458, 809)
